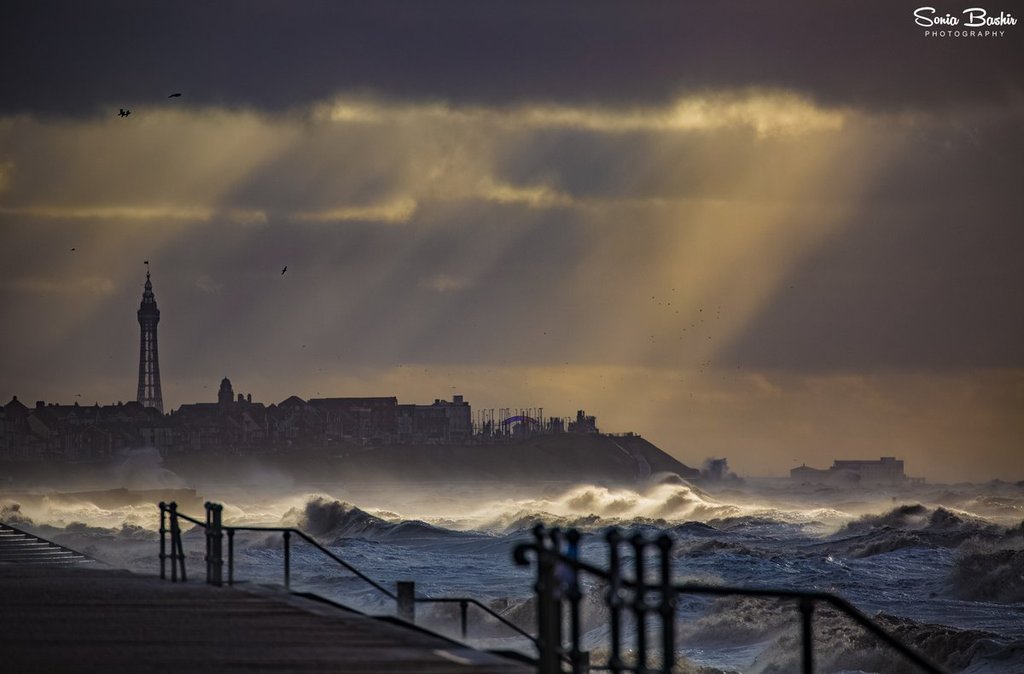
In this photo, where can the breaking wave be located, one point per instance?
(336, 521)
(590, 507)
(910, 526)
(10, 513)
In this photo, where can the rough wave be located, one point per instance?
(841, 645)
(912, 526)
(996, 576)
(336, 521)
(591, 507)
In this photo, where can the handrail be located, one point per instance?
(558, 581)
(309, 539)
(464, 601)
(835, 601)
(214, 530)
(553, 590)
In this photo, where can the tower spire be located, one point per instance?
(149, 394)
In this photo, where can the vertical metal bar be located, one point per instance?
(181, 546)
(173, 508)
(231, 556)
(163, 540)
(557, 583)
(208, 507)
(287, 559)
(640, 601)
(576, 656)
(547, 612)
(807, 636)
(405, 597)
(667, 605)
(177, 549)
(217, 545)
(614, 601)
(464, 614)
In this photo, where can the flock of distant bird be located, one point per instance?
(124, 112)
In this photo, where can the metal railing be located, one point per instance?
(558, 583)
(405, 591)
(559, 570)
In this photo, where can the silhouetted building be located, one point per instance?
(230, 424)
(234, 424)
(887, 469)
(358, 419)
(226, 394)
(442, 422)
(74, 432)
(583, 423)
(149, 394)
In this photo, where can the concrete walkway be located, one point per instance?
(82, 619)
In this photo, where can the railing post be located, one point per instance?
(614, 601)
(208, 508)
(463, 614)
(640, 600)
(405, 596)
(217, 544)
(177, 549)
(287, 559)
(579, 663)
(231, 556)
(807, 636)
(163, 540)
(549, 622)
(667, 605)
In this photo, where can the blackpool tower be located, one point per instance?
(149, 363)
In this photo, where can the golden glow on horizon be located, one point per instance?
(394, 212)
(767, 112)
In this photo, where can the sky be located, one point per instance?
(782, 233)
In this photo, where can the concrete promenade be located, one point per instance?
(81, 619)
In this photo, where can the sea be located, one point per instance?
(940, 565)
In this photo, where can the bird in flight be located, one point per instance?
(174, 95)
(284, 270)
(72, 250)
(124, 113)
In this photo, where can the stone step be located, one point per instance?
(19, 548)
(47, 550)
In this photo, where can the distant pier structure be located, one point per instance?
(149, 394)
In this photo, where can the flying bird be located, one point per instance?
(124, 113)
(174, 95)
(72, 250)
(284, 270)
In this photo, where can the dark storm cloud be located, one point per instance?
(74, 58)
(926, 275)
(899, 293)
